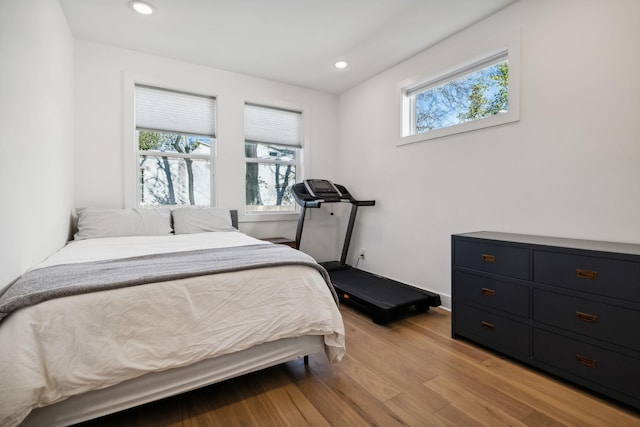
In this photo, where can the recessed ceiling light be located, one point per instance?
(142, 7)
(341, 64)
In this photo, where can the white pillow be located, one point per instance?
(94, 223)
(192, 219)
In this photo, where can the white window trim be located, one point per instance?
(175, 155)
(272, 161)
(301, 162)
(129, 138)
(407, 113)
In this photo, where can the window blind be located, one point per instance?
(486, 62)
(177, 112)
(270, 125)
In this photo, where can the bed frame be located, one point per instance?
(159, 385)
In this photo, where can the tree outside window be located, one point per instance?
(270, 173)
(174, 169)
(477, 95)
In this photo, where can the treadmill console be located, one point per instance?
(322, 189)
(311, 193)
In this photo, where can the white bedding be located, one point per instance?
(71, 345)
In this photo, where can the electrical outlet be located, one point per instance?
(361, 252)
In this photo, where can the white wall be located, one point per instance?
(568, 168)
(36, 133)
(101, 71)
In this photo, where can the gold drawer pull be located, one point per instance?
(586, 274)
(586, 361)
(586, 317)
(488, 326)
(488, 258)
(488, 292)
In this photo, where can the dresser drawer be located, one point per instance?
(504, 260)
(497, 332)
(601, 321)
(594, 364)
(601, 276)
(497, 294)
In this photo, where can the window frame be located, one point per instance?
(250, 216)
(408, 90)
(130, 139)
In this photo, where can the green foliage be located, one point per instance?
(500, 101)
(479, 105)
(161, 141)
(149, 140)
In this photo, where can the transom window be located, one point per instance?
(175, 133)
(477, 95)
(273, 144)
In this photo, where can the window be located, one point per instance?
(470, 94)
(175, 136)
(477, 95)
(273, 144)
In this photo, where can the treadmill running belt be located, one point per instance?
(381, 296)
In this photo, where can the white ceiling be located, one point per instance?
(292, 41)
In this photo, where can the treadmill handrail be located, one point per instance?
(364, 202)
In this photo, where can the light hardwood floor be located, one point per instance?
(408, 373)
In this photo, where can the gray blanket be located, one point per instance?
(72, 279)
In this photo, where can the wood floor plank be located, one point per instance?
(314, 383)
(413, 348)
(376, 384)
(234, 403)
(475, 381)
(429, 401)
(407, 374)
(465, 364)
(414, 337)
(360, 399)
(366, 348)
(436, 319)
(454, 417)
(439, 332)
(538, 419)
(474, 405)
(415, 410)
(291, 404)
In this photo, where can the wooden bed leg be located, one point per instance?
(306, 360)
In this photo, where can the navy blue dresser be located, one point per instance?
(569, 307)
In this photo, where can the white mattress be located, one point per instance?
(67, 346)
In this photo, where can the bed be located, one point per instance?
(163, 307)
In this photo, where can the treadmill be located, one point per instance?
(380, 297)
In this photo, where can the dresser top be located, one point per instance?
(591, 245)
